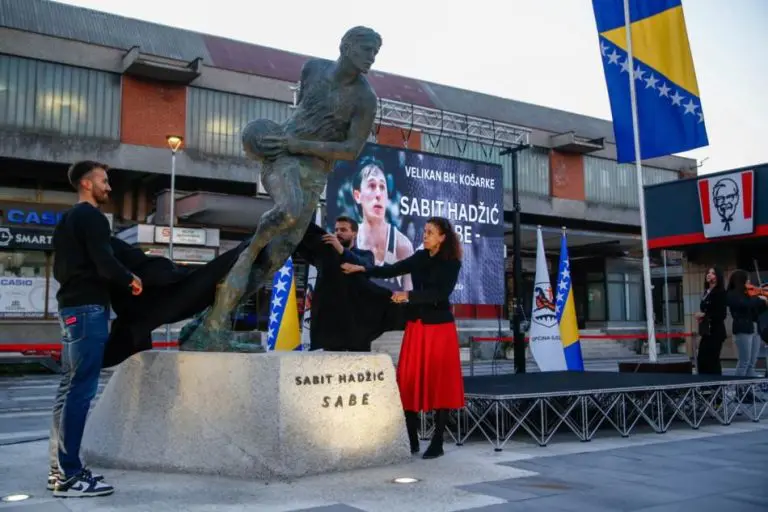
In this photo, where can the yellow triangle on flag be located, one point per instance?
(288, 335)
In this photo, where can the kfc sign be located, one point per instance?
(727, 204)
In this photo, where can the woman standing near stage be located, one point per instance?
(744, 311)
(429, 371)
(711, 320)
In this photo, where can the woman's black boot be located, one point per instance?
(412, 425)
(435, 448)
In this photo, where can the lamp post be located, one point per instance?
(519, 344)
(174, 142)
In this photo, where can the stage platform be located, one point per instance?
(544, 403)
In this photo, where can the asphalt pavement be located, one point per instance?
(25, 406)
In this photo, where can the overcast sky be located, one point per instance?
(539, 51)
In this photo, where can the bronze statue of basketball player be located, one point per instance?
(335, 114)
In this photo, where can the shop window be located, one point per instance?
(24, 286)
(635, 298)
(675, 286)
(596, 301)
(626, 301)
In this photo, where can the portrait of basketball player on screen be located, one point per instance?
(376, 234)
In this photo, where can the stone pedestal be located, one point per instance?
(255, 416)
(389, 343)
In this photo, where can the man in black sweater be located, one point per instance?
(347, 312)
(85, 267)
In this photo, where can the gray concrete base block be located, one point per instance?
(254, 416)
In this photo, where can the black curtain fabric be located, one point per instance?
(349, 317)
(171, 293)
(348, 310)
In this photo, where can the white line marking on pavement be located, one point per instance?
(23, 414)
(24, 434)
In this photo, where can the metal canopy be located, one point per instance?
(569, 142)
(163, 69)
(435, 122)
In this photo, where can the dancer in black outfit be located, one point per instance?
(429, 369)
(711, 319)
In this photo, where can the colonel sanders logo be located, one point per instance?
(544, 305)
(725, 196)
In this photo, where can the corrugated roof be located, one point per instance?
(282, 65)
(518, 112)
(76, 23)
(254, 59)
(100, 28)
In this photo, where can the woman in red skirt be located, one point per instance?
(429, 371)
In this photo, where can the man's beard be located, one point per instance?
(345, 243)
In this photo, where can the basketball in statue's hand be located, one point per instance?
(253, 138)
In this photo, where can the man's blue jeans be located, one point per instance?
(85, 330)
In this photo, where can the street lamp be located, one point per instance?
(174, 142)
(519, 344)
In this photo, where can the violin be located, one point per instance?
(757, 291)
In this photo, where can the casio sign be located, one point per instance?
(15, 282)
(44, 218)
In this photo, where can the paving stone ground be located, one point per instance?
(717, 468)
(722, 473)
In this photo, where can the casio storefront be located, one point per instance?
(28, 307)
(27, 289)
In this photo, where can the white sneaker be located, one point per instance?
(82, 485)
(54, 475)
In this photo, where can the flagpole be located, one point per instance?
(640, 191)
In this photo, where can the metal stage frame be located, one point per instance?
(497, 417)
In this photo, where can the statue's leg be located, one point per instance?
(282, 247)
(251, 277)
(259, 269)
(282, 181)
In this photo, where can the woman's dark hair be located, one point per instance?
(718, 276)
(738, 281)
(450, 249)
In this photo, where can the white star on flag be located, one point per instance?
(612, 58)
(690, 107)
(282, 303)
(625, 66)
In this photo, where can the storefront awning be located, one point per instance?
(596, 242)
(212, 209)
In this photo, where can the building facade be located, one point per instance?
(694, 226)
(76, 83)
